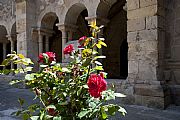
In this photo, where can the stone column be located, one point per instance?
(70, 35)
(47, 43)
(4, 51)
(145, 36)
(40, 42)
(63, 30)
(12, 47)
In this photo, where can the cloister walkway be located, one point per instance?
(10, 94)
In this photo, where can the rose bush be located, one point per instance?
(74, 91)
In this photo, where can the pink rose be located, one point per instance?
(96, 85)
(68, 49)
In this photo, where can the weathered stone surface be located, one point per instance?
(132, 36)
(134, 47)
(150, 101)
(151, 34)
(149, 90)
(142, 12)
(133, 67)
(136, 24)
(145, 3)
(149, 45)
(132, 4)
(147, 70)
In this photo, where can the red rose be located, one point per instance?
(51, 57)
(41, 58)
(96, 85)
(81, 41)
(68, 49)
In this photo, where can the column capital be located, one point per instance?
(42, 31)
(67, 27)
(99, 20)
(10, 37)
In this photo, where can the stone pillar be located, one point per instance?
(40, 42)
(70, 35)
(12, 47)
(47, 43)
(63, 28)
(145, 36)
(4, 50)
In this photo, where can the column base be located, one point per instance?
(155, 96)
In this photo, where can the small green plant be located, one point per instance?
(74, 91)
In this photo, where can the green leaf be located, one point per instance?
(14, 82)
(43, 66)
(21, 101)
(65, 70)
(98, 63)
(122, 111)
(92, 105)
(21, 56)
(25, 116)
(57, 118)
(83, 113)
(98, 46)
(112, 109)
(79, 91)
(27, 61)
(85, 86)
(6, 62)
(119, 95)
(102, 43)
(99, 68)
(99, 57)
(86, 63)
(28, 68)
(34, 117)
(103, 113)
(29, 77)
(42, 115)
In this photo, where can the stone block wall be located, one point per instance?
(146, 48)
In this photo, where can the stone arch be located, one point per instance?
(115, 33)
(50, 35)
(104, 7)
(75, 21)
(48, 20)
(49, 10)
(73, 12)
(3, 43)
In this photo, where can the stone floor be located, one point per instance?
(9, 104)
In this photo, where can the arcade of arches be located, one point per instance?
(142, 53)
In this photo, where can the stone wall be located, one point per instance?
(146, 48)
(7, 9)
